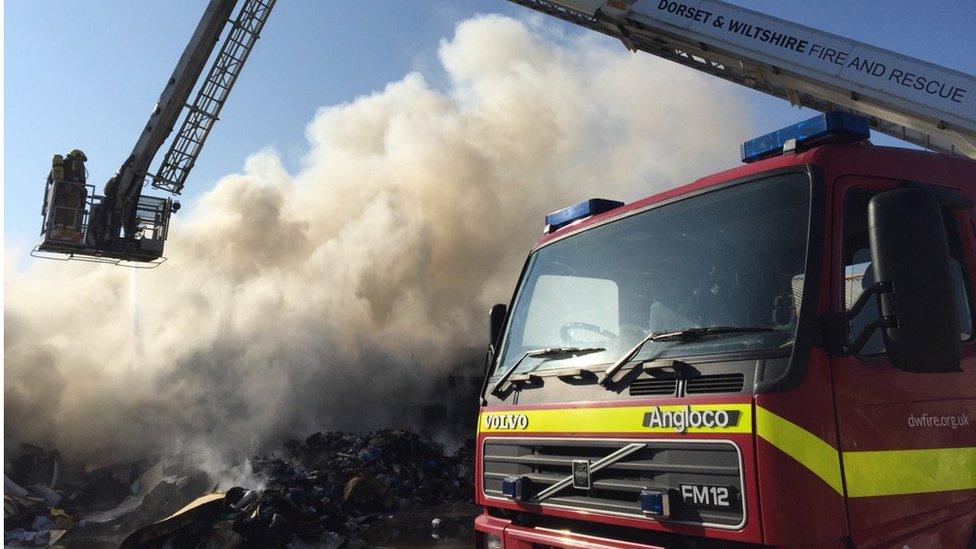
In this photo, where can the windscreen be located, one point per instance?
(732, 257)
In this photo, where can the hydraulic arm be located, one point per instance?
(916, 101)
(123, 224)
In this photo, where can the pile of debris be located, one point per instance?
(47, 501)
(333, 489)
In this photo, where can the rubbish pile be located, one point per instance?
(332, 489)
(47, 501)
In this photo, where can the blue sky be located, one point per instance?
(85, 73)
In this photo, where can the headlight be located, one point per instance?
(493, 542)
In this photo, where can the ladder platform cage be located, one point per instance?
(67, 214)
(152, 218)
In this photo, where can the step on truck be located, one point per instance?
(777, 354)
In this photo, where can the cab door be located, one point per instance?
(907, 440)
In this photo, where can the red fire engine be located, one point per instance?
(778, 354)
(781, 353)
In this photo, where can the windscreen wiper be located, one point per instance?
(549, 352)
(687, 334)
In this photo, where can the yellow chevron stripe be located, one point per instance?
(871, 473)
(802, 445)
(895, 472)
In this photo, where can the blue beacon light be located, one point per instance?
(835, 124)
(565, 216)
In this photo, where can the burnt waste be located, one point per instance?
(331, 489)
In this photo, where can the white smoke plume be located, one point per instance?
(325, 298)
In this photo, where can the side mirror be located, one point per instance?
(496, 322)
(910, 254)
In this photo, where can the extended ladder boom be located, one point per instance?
(913, 100)
(124, 224)
(123, 190)
(201, 116)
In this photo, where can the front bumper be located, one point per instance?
(519, 537)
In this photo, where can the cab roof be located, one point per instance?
(831, 160)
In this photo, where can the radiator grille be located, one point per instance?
(717, 383)
(659, 465)
(669, 386)
(654, 386)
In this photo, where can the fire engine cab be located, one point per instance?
(781, 354)
(778, 354)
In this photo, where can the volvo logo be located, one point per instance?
(581, 474)
(684, 418)
(506, 422)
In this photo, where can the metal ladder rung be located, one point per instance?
(240, 39)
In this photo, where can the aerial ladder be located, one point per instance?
(919, 102)
(123, 224)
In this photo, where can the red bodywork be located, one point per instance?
(851, 404)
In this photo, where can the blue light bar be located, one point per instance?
(830, 124)
(655, 503)
(575, 212)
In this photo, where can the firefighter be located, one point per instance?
(75, 166)
(69, 196)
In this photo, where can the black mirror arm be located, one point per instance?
(882, 321)
(868, 331)
(866, 295)
(489, 359)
